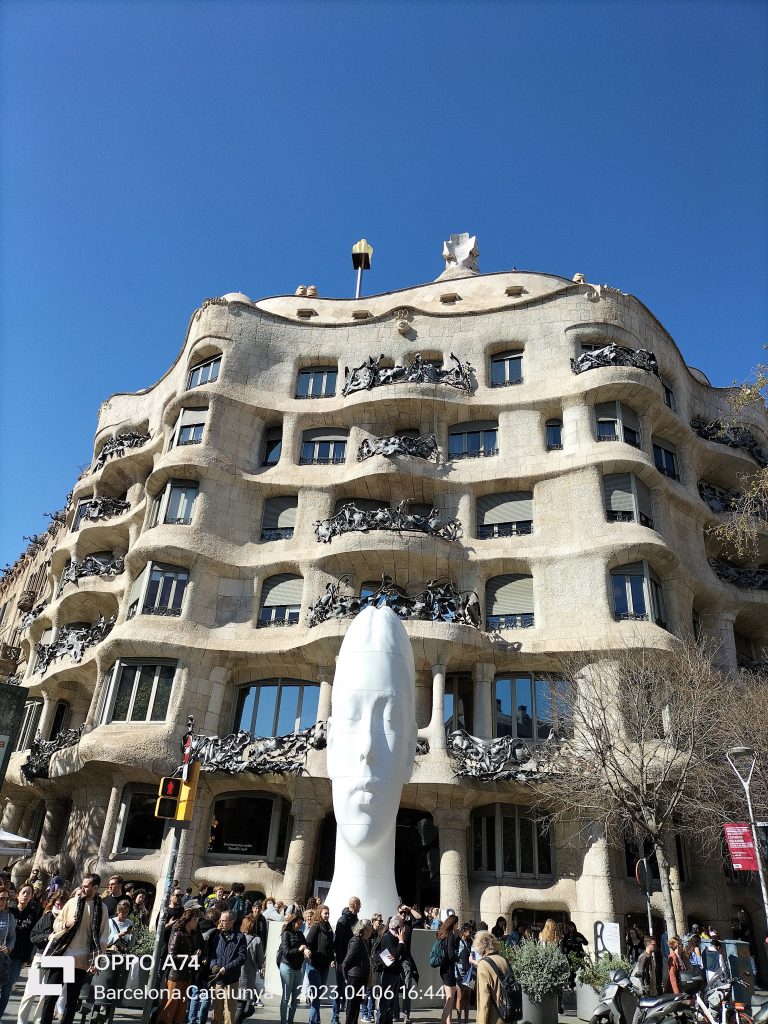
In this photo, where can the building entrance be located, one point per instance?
(417, 858)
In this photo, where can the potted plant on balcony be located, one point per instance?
(542, 971)
(591, 975)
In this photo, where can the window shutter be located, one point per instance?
(473, 425)
(665, 444)
(510, 595)
(326, 434)
(280, 513)
(285, 589)
(633, 569)
(191, 416)
(617, 488)
(508, 507)
(364, 504)
(605, 410)
(138, 583)
(644, 498)
(630, 418)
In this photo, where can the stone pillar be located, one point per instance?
(436, 722)
(51, 837)
(307, 816)
(13, 815)
(578, 430)
(452, 836)
(289, 453)
(86, 826)
(324, 676)
(46, 717)
(218, 681)
(723, 631)
(594, 891)
(111, 823)
(482, 724)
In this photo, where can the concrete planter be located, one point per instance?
(544, 1012)
(586, 1001)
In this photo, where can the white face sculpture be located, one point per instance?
(372, 730)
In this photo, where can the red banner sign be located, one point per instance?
(741, 847)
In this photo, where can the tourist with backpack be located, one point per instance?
(466, 974)
(498, 996)
(238, 905)
(445, 955)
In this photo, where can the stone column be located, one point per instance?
(436, 722)
(111, 823)
(577, 423)
(722, 629)
(482, 725)
(46, 717)
(51, 837)
(324, 676)
(594, 892)
(307, 816)
(289, 453)
(218, 681)
(452, 836)
(13, 815)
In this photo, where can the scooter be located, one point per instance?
(619, 1004)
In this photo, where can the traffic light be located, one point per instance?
(188, 793)
(168, 796)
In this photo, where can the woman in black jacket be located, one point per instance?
(357, 967)
(290, 958)
(446, 934)
(321, 955)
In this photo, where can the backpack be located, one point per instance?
(437, 954)
(510, 1003)
(237, 906)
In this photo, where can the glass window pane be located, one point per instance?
(525, 824)
(448, 710)
(308, 451)
(504, 717)
(150, 601)
(523, 707)
(162, 693)
(544, 716)
(178, 593)
(330, 383)
(554, 433)
(123, 695)
(637, 588)
(167, 585)
(544, 849)
(309, 699)
(490, 842)
(474, 441)
(619, 583)
(289, 710)
(340, 450)
(489, 440)
(273, 448)
(143, 691)
(606, 428)
(497, 371)
(477, 844)
(509, 844)
(143, 831)
(214, 370)
(303, 389)
(241, 825)
(246, 702)
(265, 714)
(455, 444)
(514, 368)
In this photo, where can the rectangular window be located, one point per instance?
(189, 427)
(323, 453)
(191, 434)
(277, 708)
(554, 435)
(142, 830)
(472, 444)
(181, 499)
(80, 513)
(629, 591)
(204, 373)
(511, 841)
(617, 422)
(319, 383)
(665, 459)
(141, 692)
(506, 369)
(165, 592)
(669, 396)
(529, 707)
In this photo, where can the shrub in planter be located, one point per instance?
(539, 969)
(594, 973)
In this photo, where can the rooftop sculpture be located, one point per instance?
(460, 253)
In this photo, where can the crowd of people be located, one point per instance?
(214, 951)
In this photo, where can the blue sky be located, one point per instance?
(155, 154)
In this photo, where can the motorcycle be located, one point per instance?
(619, 1004)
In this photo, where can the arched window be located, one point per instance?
(509, 602)
(251, 826)
(205, 372)
(510, 841)
(554, 431)
(508, 514)
(279, 518)
(281, 600)
(276, 707)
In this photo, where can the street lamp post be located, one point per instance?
(746, 780)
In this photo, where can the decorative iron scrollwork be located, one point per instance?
(117, 446)
(73, 641)
(492, 760)
(371, 374)
(745, 579)
(616, 355)
(90, 566)
(439, 601)
(38, 764)
(421, 447)
(731, 435)
(95, 509)
(242, 752)
(351, 519)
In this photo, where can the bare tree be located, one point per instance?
(646, 757)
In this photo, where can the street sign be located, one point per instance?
(741, 847)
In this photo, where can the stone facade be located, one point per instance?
(217, 476)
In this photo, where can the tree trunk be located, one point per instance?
(673, 926)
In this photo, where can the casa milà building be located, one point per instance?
(286, 468)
